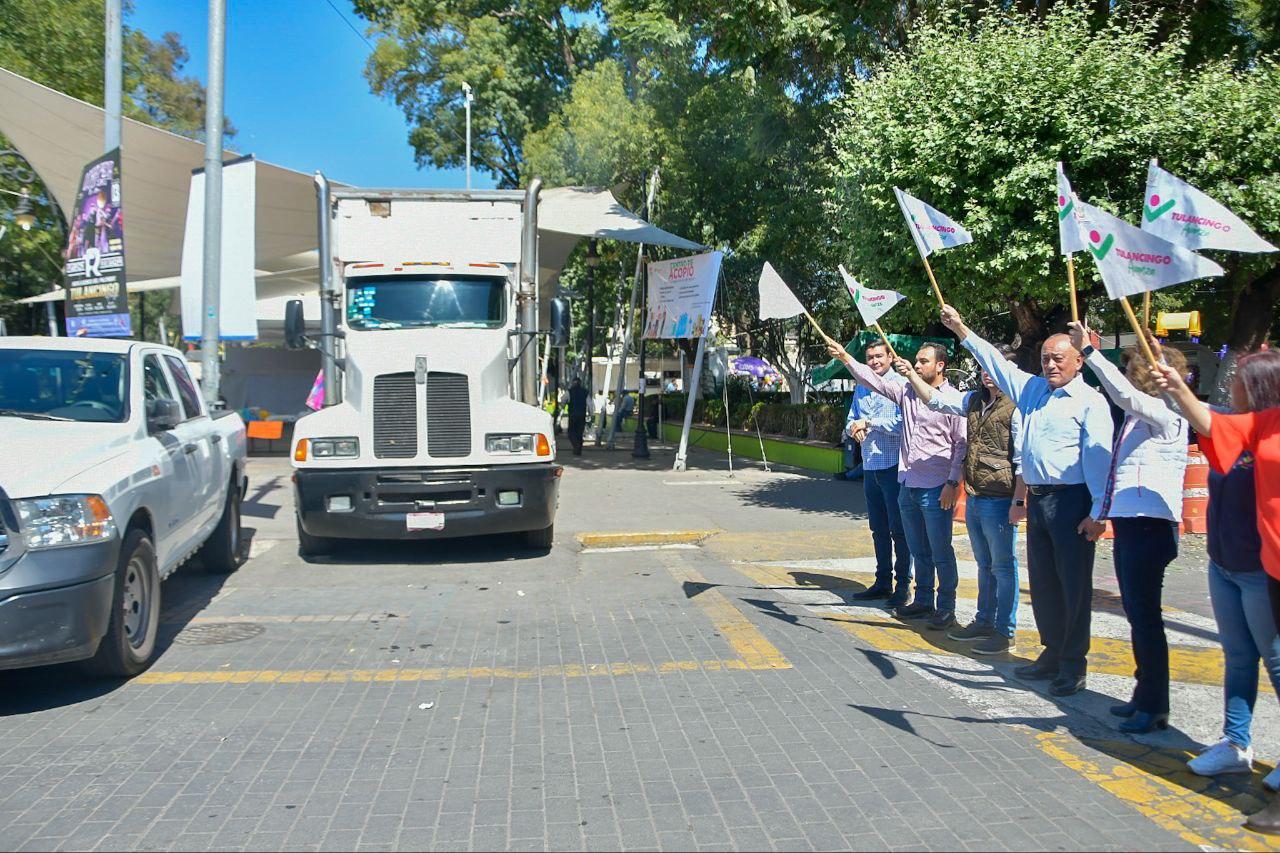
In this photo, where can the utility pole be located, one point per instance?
(468, 97)
(210, 326)
(113, 76)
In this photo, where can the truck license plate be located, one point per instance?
(424, 521)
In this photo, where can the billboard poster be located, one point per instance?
(681, 293)
(97, 302)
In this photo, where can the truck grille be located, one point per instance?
(395, 416)
(448, 415)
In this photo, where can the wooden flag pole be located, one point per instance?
(1071, 288)
(885, 338)
(824, 335)
(933, 281)
(1146, 310)
(1140, 331)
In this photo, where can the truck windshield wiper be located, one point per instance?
(31, 416)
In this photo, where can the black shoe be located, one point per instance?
(1128, 709)
(1266, 821)
(941, 620)
(971, 633)
(1141, 722)
(871, 593)
(918, 610)
(898, 599)
(996, 644)
(1037, 672)
(1067, 685)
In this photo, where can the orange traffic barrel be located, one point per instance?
(960, 500)
(1195, 493)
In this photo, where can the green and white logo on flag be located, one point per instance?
(872, 304)
(932, 229)
(1182, 214)
(1068, 229)
(776, 299)
(1133, 261)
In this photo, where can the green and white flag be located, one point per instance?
(932, 229)
(1068, 230)
(872, 304)
(1133, 261)
(1182, 214)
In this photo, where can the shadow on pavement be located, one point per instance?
(254, 506)
(808, 494)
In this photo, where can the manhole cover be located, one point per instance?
(216, 633)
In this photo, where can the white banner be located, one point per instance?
(1132, 261)
(932, 229)
(777, 302)
(1182, 214)
(681, 293)
(871, 304)
(1068, 216)
(238, 302)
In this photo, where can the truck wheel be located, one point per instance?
(130, 642)
(223, 552)
(312, 546)
(540, 540)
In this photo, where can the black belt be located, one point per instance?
(1039, 491)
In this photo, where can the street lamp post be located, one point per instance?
(468, 98)
(593, 261)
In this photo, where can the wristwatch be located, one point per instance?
(953, 483)
(1019, 502)
(1088, 350)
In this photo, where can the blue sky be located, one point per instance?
(295, 89)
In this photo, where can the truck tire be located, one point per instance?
(130, 642)
(223, 552)
(312, 546)
(540, 540)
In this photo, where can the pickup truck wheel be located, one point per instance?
(540, 540)
(312, 546)
(130, 642)
(223, 552)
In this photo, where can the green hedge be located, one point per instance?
(808, 421)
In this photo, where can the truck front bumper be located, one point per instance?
(381, 498)
(55, 604)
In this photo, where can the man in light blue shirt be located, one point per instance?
(1066, 459)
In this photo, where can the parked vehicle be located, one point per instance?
(431, 426)
(113, 474)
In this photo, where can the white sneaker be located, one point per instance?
(1222, 758)
(1272, 780)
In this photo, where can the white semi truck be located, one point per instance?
(429, 342)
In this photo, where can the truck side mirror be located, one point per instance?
(295, 325)
(163, 415)
(561, 320)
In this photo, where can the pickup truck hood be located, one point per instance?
(38, 456)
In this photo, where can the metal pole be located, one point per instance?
(210, 327)
(466, 93)
(113, 76)
(52, 313)
(328, 324)
(592, 259)
(528, 300)
(696, 380)
(640, 445)
(629, 325)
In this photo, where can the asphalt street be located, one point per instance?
(684, 670)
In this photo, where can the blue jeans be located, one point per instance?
(928, 529)
(881, 490)
(1248, 632)
(994, 541)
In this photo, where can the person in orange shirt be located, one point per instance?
(1224, 437)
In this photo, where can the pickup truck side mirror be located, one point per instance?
(163, 415)
(561, 320)
(295, 325)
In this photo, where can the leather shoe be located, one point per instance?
(1128, 709)
(1142, 722)
(1066, 685)
(872, 593)
(1266, 821)
(1036, 672)
(898, 599)
(917, 610)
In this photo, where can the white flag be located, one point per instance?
(872, 304)
(776, 299)
(1132, 261)
(1068, 229)
(932, 229)
(1180, 213)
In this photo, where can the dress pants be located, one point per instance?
(1060, 571)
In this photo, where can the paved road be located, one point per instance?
(684, 670)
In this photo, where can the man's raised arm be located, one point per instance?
(867, 377)
(1006, 374)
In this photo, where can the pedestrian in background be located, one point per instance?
(851, 439)
(579, 411)
(1065, 457)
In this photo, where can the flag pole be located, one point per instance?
(1071, 288)
(933, 281)
(824, 335)
(1140, 331)
(885, 338)
(1146, 310)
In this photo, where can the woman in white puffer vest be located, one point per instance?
(1144, 504)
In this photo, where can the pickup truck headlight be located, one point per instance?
(64, 520)
(331, 448)
(509, 443)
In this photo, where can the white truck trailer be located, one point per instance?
(429, 327)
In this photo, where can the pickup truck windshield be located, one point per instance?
(63, 385)
(412, 301)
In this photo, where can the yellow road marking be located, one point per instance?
(617, 540)
(743, 637)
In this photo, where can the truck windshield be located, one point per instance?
(63, 385)
(410, 301)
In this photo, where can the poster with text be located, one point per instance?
(97, 302)
(681, 293)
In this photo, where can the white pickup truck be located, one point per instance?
(112, 474)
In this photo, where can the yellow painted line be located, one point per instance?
(743, 636)
(618, 540)
(1157, 784)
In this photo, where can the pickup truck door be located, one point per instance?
(203, 453)
(174, 481)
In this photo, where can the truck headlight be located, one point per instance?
(331, 448)
(64, 520)
(509, 443)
